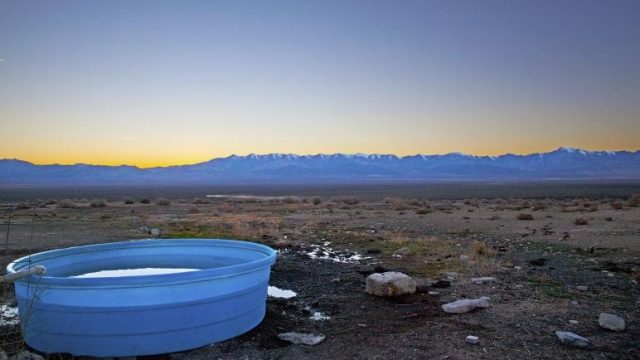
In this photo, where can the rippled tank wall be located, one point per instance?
(143, 315)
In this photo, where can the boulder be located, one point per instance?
(390, 283)
(571, 339)
(466, 305)
(611, 322)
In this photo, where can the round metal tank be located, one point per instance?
(223, 297)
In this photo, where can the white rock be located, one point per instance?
(582, 288)
(391, 283)
(571, 339)
(301, 338)
(574, 322)
(433, 293)
(465, 305)
(464, 258)
(154, 232)
(472, 339)
(611, 322)
(483, 280)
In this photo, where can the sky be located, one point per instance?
(153, 83)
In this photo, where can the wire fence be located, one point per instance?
(13, 321)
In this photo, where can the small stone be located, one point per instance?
(154, 232)
(571, 339)
(472, 339)
(335, 280)
(404, 251)
(483, 280)
(517, 267)
(582, 288)
(574, 322)
(465, 305)
(611, 322)
(391, 283)
(451, 276)
(301, 338)
(433, 293)
(464, 258)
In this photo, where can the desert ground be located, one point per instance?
(558, 263)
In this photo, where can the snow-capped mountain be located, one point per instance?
(565, 162)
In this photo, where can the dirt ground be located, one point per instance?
(539, 251)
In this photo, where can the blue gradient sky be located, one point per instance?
(167, 82)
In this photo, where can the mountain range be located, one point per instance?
(563, 163)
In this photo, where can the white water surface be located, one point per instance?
(132, 272)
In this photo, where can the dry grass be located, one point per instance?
(634, 200)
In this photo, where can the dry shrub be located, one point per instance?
(539, 205)
(128, 201)
(616, 205)
(525, 216)
(162, 202)
(51, 202)
(398, 204)
(200, 201)
(98, 203)
(316, 201)
(145, 201)
(23, 206)
(193, 210)
(573, 208)
(472, 202)
(289, 200)
(423, 211)
(634, 200)
(593, 207)
(581, 221)
(66, 204)
(347, 200)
